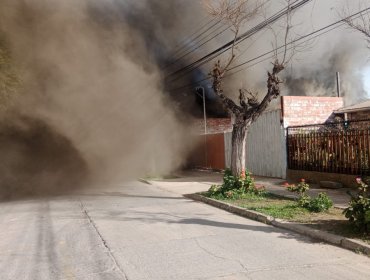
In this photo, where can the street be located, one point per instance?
(141, 231)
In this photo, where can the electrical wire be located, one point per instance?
(200, 43)
(317, 33)
(244, 36)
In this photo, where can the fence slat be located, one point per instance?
(340, 148)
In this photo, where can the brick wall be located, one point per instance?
(214, 125)
(302, 110)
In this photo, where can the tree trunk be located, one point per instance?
(238, 152)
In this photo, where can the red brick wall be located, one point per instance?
(214, 125)
(302, 110)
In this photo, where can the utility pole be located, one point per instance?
(200, 90)
(338, 84)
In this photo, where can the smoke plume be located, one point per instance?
(91, 107)
(90, 103)
(313, 68)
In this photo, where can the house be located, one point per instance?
(266, 140)
(359, 111)
(338, 150)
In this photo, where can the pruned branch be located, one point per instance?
(360, 23)
(250, 108)
(248, 99)
(273, 91)
(235, 13)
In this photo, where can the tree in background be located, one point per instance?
(236, 13)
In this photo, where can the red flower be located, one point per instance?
(242, 175)
(303, 180)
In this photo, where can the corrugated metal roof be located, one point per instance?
(363, 106)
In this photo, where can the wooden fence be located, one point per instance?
(337, 149)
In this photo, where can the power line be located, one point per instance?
(190, 40)
(200, 43)
(239, 39)
(199, 46)
(339, 22)
(317, 33)
(179, 47)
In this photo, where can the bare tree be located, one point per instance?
(236, 13)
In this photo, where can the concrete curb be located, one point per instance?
(346, 243)
(142, 180)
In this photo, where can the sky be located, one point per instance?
(366, 79)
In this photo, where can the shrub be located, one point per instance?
(300, 189)
(319, 203)
(235, 187)
(358, 211)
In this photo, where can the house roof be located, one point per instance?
(363, 106)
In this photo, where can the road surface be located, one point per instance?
(138, 231)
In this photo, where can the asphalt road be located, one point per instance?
(138, 231)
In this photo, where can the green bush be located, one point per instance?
(358, 211)
(301, 188)
(235, 187)
(319, 203)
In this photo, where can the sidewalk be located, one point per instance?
(198, 181)
(188, 183)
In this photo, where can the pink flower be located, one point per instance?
(303, 180)
(286, 184)
(358, 180)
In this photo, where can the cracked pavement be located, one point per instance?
(140, 231)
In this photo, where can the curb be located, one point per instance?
(142, 180)
(346, 243)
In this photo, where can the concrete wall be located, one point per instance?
(294, 176)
